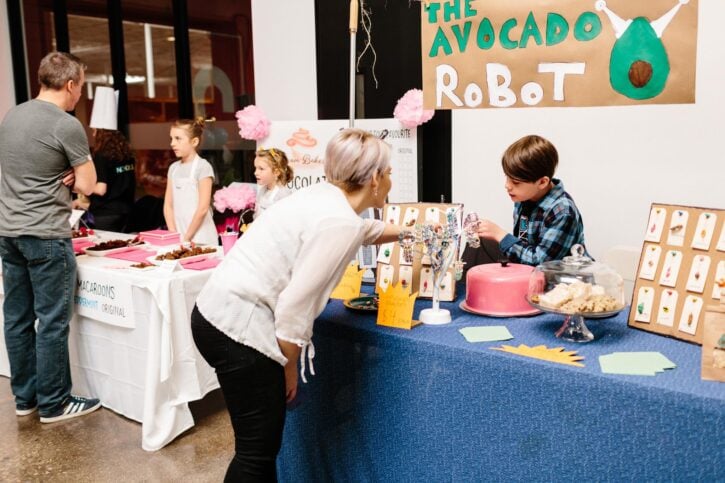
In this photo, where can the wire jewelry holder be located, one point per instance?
(441, 244)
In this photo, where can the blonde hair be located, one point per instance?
(194, 128)
(277, 160)
(57, 68)
(353, 156)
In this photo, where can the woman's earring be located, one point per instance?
(375, 192)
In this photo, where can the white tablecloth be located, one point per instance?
(149, 372)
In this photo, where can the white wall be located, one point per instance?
(285, 71)
(7, 85)
(614, 161)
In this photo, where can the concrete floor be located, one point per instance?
(104, 446)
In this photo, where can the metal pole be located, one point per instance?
(149, 50)
(353, 32)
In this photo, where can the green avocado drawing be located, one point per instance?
(639, 65)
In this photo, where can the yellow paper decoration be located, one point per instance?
(395, 308)
(349, 286)
(556, 354)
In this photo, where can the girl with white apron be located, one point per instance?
(185, 201)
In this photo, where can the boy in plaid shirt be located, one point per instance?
(547, 223)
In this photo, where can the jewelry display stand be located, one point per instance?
(436, 243)
(418, 275)
(681, 271)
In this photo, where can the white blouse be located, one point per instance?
(265, 198)
(278, 277)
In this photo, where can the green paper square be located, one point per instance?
(486, 333)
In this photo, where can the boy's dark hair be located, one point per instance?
(529, 159)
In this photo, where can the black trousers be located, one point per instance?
(254, 390)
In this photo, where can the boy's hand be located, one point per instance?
(489, 229)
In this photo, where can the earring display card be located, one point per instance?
(393, 268)
(681, 270)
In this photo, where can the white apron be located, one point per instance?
(186, 199)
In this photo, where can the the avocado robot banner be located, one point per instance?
(549, 53)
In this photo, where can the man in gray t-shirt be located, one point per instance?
(43, 155)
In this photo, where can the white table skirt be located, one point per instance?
(150, 372)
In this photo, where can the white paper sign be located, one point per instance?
(168, 267)
(75, 215)
(102, 297)
(304, 142)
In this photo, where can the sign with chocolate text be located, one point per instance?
(101, 297)
(304, 143)
(552, 53)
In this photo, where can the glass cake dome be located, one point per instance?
(576, 287)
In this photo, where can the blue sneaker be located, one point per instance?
(72, 407)
(25, 409)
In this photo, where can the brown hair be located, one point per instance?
(193, 127)
(530, 159)
(277, 159)
(57, 68)
(111, 145)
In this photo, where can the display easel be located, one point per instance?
(418, 276)
(682, 261)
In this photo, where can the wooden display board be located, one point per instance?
(418, 276)
(681, 270)
(713, 352)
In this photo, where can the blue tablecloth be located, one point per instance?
(426, 405)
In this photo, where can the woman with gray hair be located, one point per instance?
(253, 318)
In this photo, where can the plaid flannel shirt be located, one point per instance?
(553, 227)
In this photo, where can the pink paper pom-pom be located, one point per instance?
(234, 198)
(253, 123)
(409, 109)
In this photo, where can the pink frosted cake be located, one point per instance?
(498, 289)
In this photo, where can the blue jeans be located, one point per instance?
(39, 278)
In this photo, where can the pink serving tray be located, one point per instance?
(160, 237)
(133, 255)
(204, 264)
(80, 247)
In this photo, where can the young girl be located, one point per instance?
(187, 204)
(273, 172)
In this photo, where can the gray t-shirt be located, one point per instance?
(38, 142)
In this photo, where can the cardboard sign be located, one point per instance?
(102, 297)
(550, 53)
(396, 307)
(349, 286)
(713, 343)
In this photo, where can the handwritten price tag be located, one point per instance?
(349, 286)
(396, 307)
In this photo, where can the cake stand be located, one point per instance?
(574, 328)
